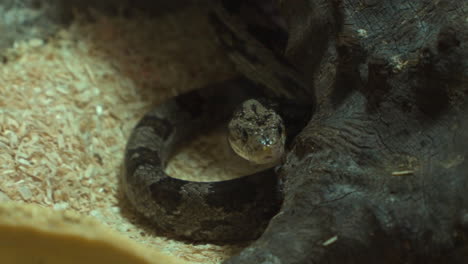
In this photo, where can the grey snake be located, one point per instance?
(218, 211)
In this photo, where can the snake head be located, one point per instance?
(257, 133)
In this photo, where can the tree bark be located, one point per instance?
(380, 173)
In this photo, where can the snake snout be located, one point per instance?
(266, 142)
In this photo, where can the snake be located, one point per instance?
(262, 110)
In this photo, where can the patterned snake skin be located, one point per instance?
(222, 211)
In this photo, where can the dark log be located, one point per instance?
(380, 174)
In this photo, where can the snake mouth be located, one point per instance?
(270, 154)
(264, 154)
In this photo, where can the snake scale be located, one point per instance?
(220, 211)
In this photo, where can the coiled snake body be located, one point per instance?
(221, 211)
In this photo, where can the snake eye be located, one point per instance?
(244, 135)
(254, 108)
(280, 129)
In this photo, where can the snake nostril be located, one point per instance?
(266, 141)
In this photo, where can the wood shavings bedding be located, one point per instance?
(68, 104)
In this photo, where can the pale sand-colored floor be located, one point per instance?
(67, 106)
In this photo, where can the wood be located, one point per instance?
(391, 79)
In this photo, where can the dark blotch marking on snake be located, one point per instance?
(163, 190)
(139, 157)
(162, 127)
(247, 190)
